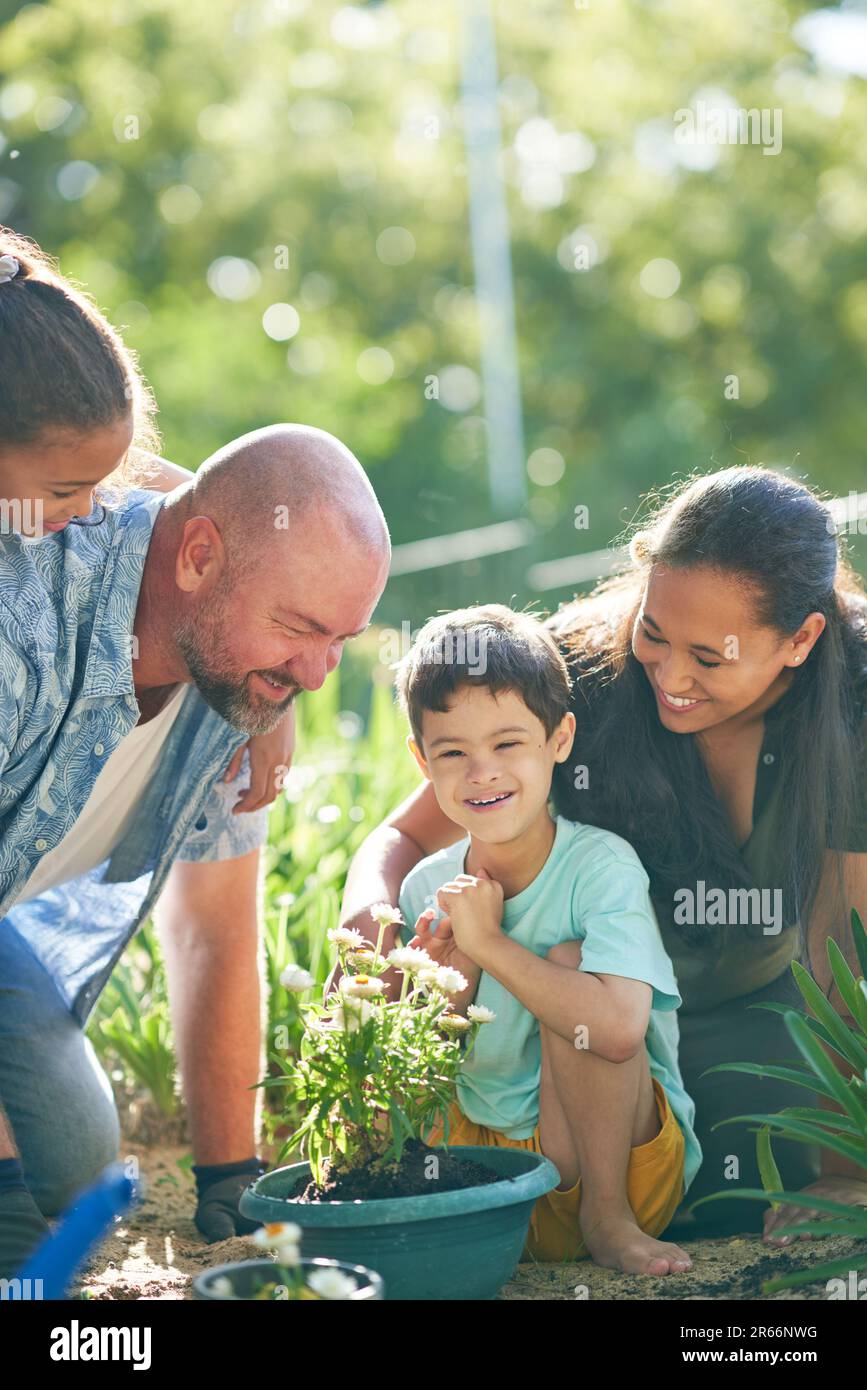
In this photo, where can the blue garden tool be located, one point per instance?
(81, 1227)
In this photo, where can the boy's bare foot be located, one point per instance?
(617, 1242)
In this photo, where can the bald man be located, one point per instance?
(136, 658)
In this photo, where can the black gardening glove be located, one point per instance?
(22, 1225)
(218, 1189)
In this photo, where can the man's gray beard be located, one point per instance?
(230, 701)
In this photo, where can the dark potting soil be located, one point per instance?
(412, 1178)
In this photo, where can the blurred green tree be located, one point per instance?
(270, 200)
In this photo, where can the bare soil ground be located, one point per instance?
(156, 1252)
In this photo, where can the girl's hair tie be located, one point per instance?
(9, 268)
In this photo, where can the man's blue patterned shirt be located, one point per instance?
(67, 606)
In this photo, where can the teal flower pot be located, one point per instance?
(448, 1245)
(246, 1276)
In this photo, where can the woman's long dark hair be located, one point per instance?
(651, 785)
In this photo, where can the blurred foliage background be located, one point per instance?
(198, 166)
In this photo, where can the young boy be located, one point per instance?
(552, 925)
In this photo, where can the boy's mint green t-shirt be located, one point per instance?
(592, 888)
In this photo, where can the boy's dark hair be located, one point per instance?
(62, 365)
(488, 645)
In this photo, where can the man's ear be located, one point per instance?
(201, 555)
(564, 737)
(418, 755)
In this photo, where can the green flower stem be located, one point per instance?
(379, 941)
(292, 1278)
(427, 1016)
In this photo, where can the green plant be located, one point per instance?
(130, 1027)
(843, 1132)
(374, 1074)
(346, 777)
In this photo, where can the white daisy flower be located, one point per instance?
(454, 1023)
(442, 977)
(276, 1233)
(360, 987)
(296, 979)
(332, 1283)
(385, 915)
(409, 959)
(480, 1013)
(363, 957)
(452, 981)
(356, 1014)
(343, 937)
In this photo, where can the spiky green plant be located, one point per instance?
(843, 1132)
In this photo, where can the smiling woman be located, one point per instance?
(740, 602)
(722, 717)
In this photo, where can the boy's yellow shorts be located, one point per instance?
(654, 1183)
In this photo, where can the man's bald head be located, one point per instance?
(273, 480)
(272, 557)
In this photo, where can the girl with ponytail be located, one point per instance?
(75, 410)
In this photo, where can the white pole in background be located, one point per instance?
(492, 262)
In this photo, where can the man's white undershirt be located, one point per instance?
(112, 804)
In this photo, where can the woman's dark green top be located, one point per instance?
(735, 962)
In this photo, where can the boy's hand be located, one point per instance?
(474, 906)
(442, 947)
(270, 760)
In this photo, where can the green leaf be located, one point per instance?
(845, 1041)
(759, 1194)
(825, 1117)
(805, 1078)
(831, 1270)
(803, 1133)
(854, 1226)
(846, 984)
(401, 1130)
(860, 938)
(812, 1023)
(770, 1174)
(824, 1067)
